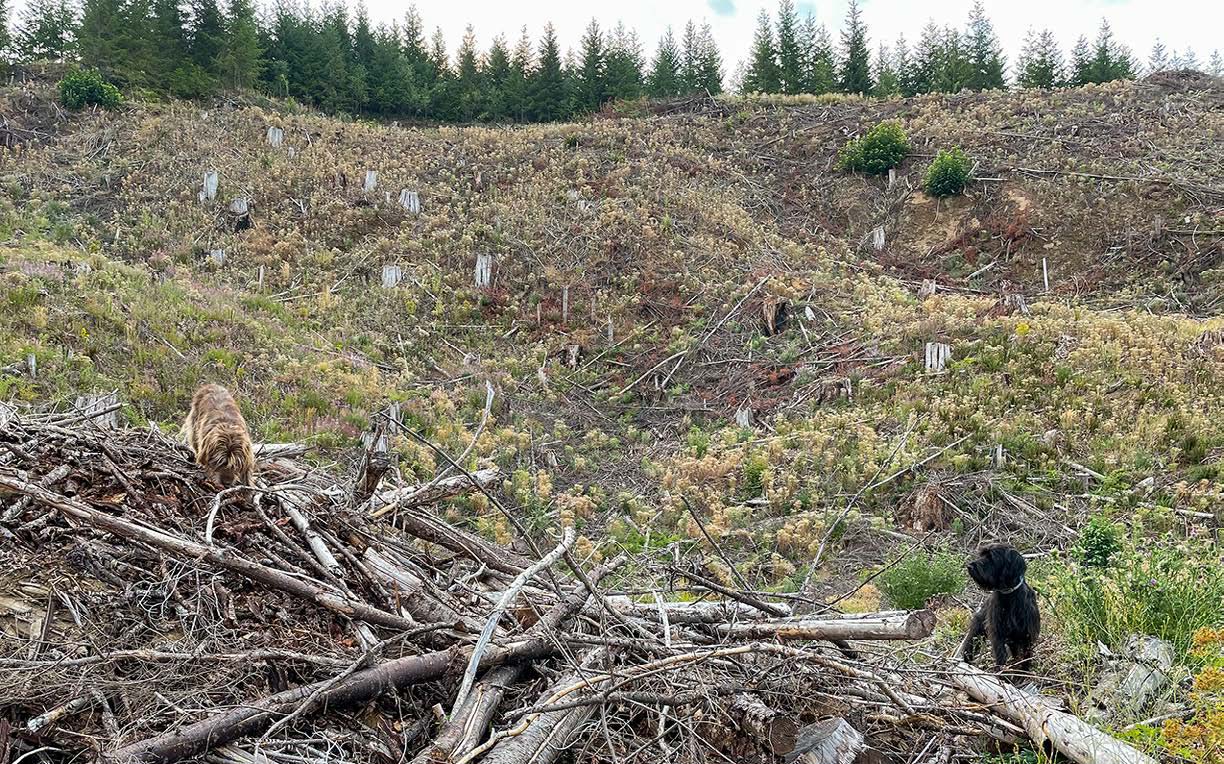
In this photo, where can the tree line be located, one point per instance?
(339, 61)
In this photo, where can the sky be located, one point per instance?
(1198, 24)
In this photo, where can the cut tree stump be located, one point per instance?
(832, 741)
(771, 728)
(391, 275)
(376, 461)
(211, 181)
(371, 181)
(410, 201)
(937, 356)
(1132, 686)
(484, 271)
(877, 238)
(275, 137)
(102, 410)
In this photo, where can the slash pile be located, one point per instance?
(147, 617)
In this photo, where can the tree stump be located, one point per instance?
(410, 201)
(276, 136)
(211, 181)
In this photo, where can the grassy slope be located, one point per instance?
(660, 226)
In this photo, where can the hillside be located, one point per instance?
(659, 273)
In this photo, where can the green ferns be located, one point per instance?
(883, 147)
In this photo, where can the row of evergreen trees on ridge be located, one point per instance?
(341, 62)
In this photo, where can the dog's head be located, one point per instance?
(226, 457)
(997, 567)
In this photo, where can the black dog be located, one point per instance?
(1009, 618)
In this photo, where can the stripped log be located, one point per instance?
(279, 450)
(361, 686)
(414, 598)
(1050, 729)
(773, 729)
(376, 461)
(467, 726)
(914, 624)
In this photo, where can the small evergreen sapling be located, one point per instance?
(948, 174)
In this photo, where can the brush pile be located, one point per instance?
(147, 617)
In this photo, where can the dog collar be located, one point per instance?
(1014, 588)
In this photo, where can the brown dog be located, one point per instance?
(217, 434)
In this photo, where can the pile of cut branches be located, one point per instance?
(148, 617)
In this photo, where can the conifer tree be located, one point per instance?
(468, 77)
(1081, 62)
(1215, 65)
(904, 66)
(1040, 64)
(762, 73)
(926, 63)
(856, 65)
(6, 37)
(623, 65)
(100, 38)
(887, 83)
(207, 38)
(1159, 59)
(709, 63)
(985, 56)
(823, 74)
(589, 75)
(1188, 60)
(495, 81)
(363, 39)
(240, 57)
(690, 51)
(1110, 61)
(953, 69)
(168, 40)
(790, 58)
(548, 87)
(664, 80)
(518, 100)
(45, 32)
(391, 80)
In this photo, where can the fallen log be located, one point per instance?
(361, 686)
(467, 726)
(415, 496)
(773, 729)
(279, 450)
(437, 531)
(414, 598)
(831, 741)
(1050, 729)
(915, 624)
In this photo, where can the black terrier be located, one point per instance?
(1009, 618)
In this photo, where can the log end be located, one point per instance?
(782, 735)
(920, 624)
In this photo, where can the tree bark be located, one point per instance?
(1052, 730)
(832, 741)
(466, 728)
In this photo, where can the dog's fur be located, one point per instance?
(217, 434)
(1009, 618)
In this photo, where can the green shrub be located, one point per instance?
(1099, 541)
(884, 146)
(917, 578)
(948, 174)
(85, 87)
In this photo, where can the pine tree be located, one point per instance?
(100, 38)
(985, 56)
(168, 39)
(588, 93)
(240, 56)
(1189, 60)
(1040, 64)
(808, 31)
(207, 38)
(45, 32)
(1159, 60)
(953, 69)
(823, 75)
(926, 63)
(709, 63)
(548, 90)
(6, 37)
(887, 83)
(664, 80)
(1215, 65)
(856, 66)
(1110, 61)
(444, 88)
(363, 39)
(762, 74)
(1081, 62)
(391, 82)
(495, 81)
(623, 68)
(904, 66)
(518, 100)
(690, 51)
(468, 77)
(790, 59)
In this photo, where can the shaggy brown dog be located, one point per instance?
(1009, 618)
(217, 434)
